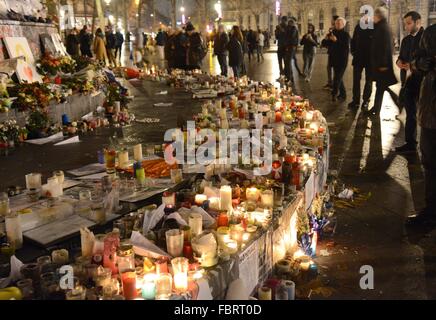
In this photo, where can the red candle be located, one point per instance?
(321, 130)
(187, 251)
(128, 280)
(278, 116)
(223, 220)
(161, 266)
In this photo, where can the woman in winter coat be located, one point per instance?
(100, 46)
(236, 53)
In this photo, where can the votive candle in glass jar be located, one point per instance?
(196, 224)
(164, 286)
(33, 181)
(180, 271)
(128, 281)
(169, 198)
(252, 194)
(148, 290)
(267, 198)
(174, 239)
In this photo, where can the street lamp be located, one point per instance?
(219, 9)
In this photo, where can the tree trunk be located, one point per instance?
(173, 14)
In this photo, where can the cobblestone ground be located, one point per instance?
(373, 233)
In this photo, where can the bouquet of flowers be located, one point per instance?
(49, 65)
(31, 96)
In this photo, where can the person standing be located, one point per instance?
(160, 43)
(220, 49)
(293, 23)
(339, 44)
(236, 51)
(169, 49)
(381, 59)
(360, 43)
(281, 37)
(110, 45)
(291, 48)
(196, 48)
(309, 42)
(425, 62)
(260, 45)
(326, 44)
(119, 41)
(412, 84)
(85, 40)
(100, 47)
(252, 43)
(72, 43)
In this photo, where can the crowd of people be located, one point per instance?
(105, 47)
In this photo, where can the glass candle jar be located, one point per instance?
(180, 271)
(161, 266)
(14, 232)
(174, 240)
(59, 175)
(125, 258)
(33, 181)
(164, 286)
(149, 286)
(267, 198)
(128, 281)
(4, 204)
(26, 288)
(196, 224)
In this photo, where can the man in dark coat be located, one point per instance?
(72, 43)
(252, 43)
(425, 62)
(110, 45)
(360, 44)
(119, 41)
(85, 39)
(195, 48)
(412, 83)
(280, 34)
(339, 44)
(381, 59)
(326, 44)
(220, 48)
(291, 49)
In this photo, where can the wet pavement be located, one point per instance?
(373, 233)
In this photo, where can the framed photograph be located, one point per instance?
(48, 45)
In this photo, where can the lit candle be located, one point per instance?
(149, 286)
(226, 197)
(199, 199)
(214, 203)
(196, 224)
(223, 236)
(128, 280)
(267, 198)
(252, 194)
(164, 286)
(180, 271)
(232, 246)
(169, 199)
(305, 263)
(137, 152)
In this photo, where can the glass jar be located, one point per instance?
(4, 204)
(14, 232)
(26, 288)
(125, 258)
(128, 281)
(180, 271)
(164, 286)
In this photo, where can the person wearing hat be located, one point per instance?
(196, 48)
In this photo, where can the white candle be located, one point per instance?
(226, 197)
(33, 181)
(181, 282)
(199, 199)
(123, 159)
(214, 203)
(13, 231)
(196, 224)
(137, 152)
(232, 246)
(252, 194)
(174, 239)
